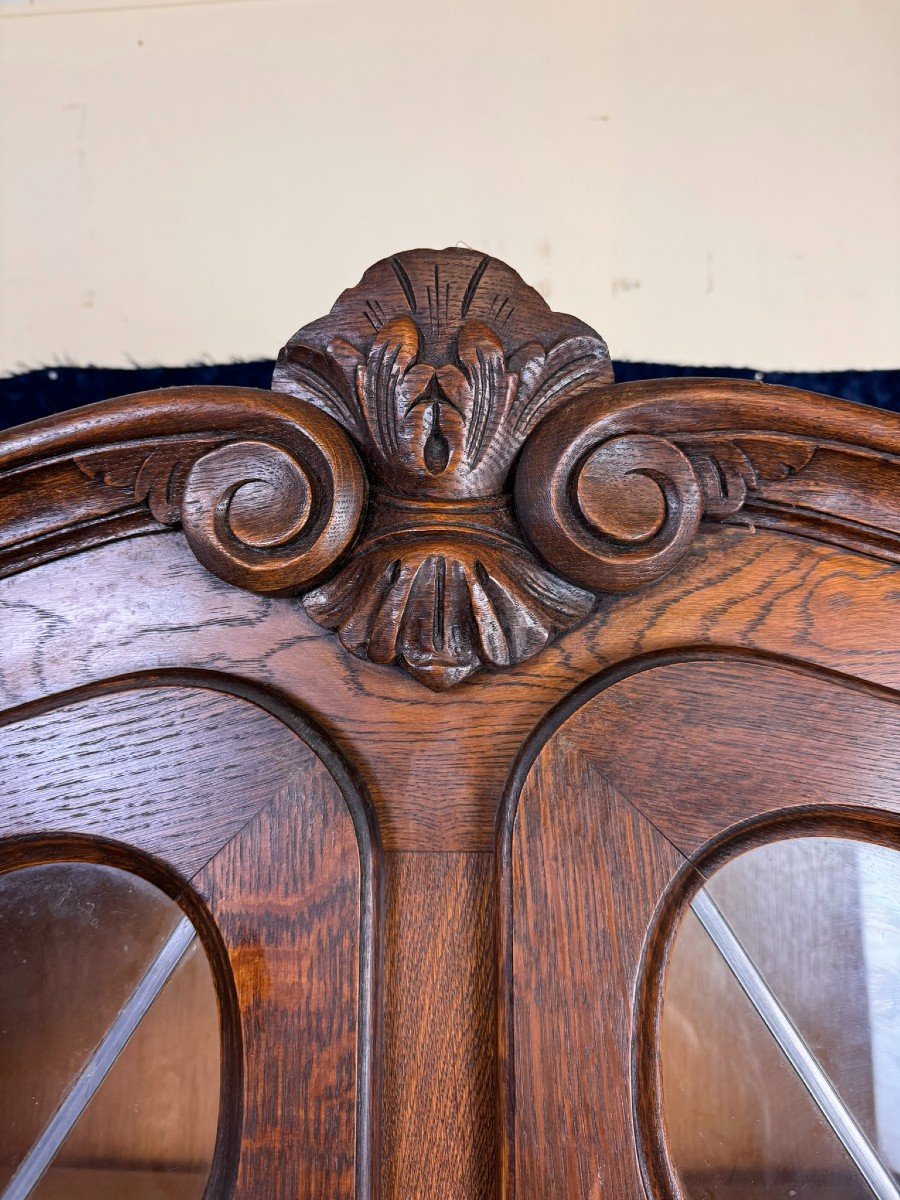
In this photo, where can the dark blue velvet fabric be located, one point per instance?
(55, 389)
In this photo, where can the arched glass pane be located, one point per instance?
(109, 1039)
(781, 1026)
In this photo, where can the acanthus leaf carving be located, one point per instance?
(329, 380)
(449, 360)
(444, 600)
(150, 472)
(732, 468)
(580, 497)
(507, 480)
(548, 377)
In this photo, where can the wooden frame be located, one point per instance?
(429, 552)
(219, 879)
(667, 831)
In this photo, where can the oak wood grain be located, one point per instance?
(433, 764)
(729, 451)
(705, 753)
(445, 488)
(705, 739)
(269, 492)
(439, 364)
(285, 895)
(577, 932)
(400, 417)
(175, 771)
(440, 1070)
(268, 847)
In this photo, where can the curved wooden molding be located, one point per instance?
(612, 491)
(269, 490)
(446, 472)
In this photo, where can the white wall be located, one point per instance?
(704, 181)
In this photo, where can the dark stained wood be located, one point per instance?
(269, 491)
(694, 733)
(760, 590)
(664, 769)
(731, 451)
(576, 934)
(439, 364)
(174, 771)
(285, 895)
(266, 845)
(682, 596)
(440, 1138)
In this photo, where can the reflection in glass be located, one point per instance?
(817, 920)
(108, 1037)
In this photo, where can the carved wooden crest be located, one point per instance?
(439, 365)
(445, 472)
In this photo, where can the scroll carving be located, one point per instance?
(439, 365)
(696, 479)
(253, 512)
(612, 492)
(269, 493)
(445, 472)
(271, 518)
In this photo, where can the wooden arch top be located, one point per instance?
(650, 618)
(445, 472)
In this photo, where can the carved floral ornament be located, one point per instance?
(446, 473)
(439, 366)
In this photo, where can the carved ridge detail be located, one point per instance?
(730, 470)
(150, 472)
(269, 494)
(445, 472)
(444, 597)
(439, 365)
(253, 512)
(612, 491)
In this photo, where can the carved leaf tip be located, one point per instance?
(443, 616)
(150, 473)
(776, 458)
(731, 469)
(562, 372)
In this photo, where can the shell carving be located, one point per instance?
(416, 437)
(439, 365)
